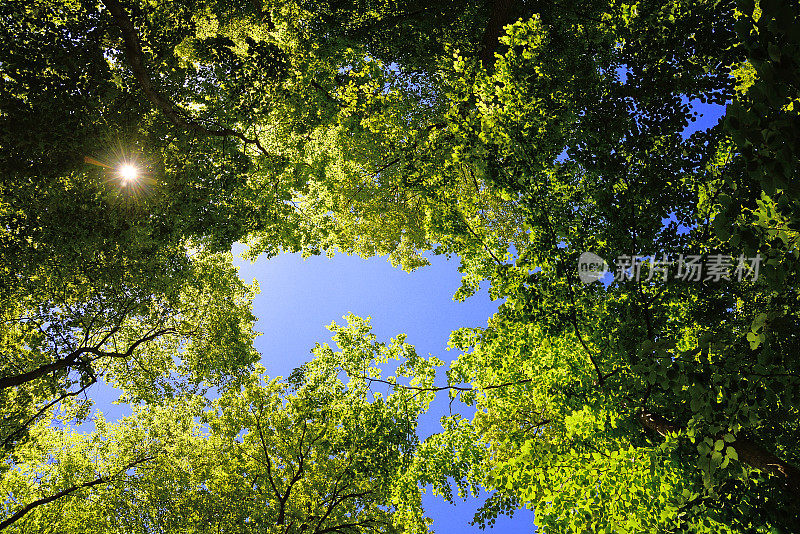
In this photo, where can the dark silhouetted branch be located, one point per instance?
(133, 52)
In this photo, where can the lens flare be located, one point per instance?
(128, 173)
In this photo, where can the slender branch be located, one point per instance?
(481, 241)
(297, 476)
(266, 453)
(573, 318)
(453, 388)
(133, 346)
(38, 414)
(337, 501)
(334, 492)
(350, 526)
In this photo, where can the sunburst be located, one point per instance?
(130, 176)
(129, 173)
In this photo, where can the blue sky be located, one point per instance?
(300, 297)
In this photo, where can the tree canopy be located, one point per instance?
(517, 135)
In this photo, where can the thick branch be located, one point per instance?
(63, 493)
(133, 52)
(58, 365)
(747, 450)
(73, 360)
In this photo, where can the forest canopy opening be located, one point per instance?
(515, 135)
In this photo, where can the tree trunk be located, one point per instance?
(747, 450)
(501, 15)
(18, 380)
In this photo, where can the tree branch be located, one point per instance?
(63, 493)
(7, 441)
(443, 388)
(748, 451)
(500, 16)
(133, 52)
(73, 360)
(18, 380)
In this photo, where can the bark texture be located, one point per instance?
(135, 57)
(748, 451)
(500, 16)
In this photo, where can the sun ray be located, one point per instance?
(129, 173)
